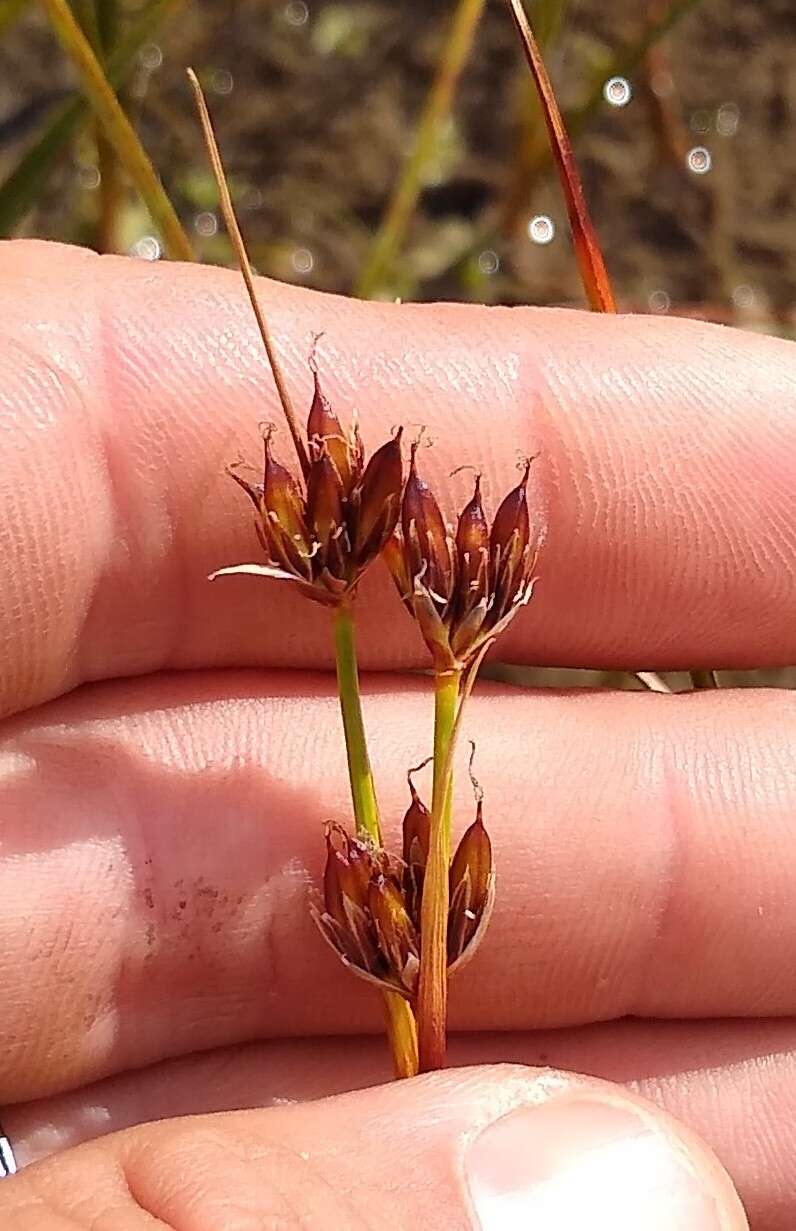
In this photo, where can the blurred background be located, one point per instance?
(391, 149)
(396, 149)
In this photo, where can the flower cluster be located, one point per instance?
(370, 913)
(463, 590)
(324, 536)
(320, 534)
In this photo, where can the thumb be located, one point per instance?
(492, 1149)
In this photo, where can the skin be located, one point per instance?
(170, 748)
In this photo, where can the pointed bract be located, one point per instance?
(416, 831)
(472, 582)
(396, 933)
(395, 559)
(325, 429)
(283, 514)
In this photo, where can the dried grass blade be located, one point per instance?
(228, 210)
(593, 273)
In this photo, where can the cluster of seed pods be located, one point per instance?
(319, 533)
(371, 899)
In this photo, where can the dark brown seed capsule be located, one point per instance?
(470, 886)
(426, 540)
(348, 870)
(333, 874)
(472, 540)
(416, 841)
(511, 527)
(416, 831)
(324, 503)
(283, 510)
(346, 883)
(378, 501)
(472, 579)
(282, 498)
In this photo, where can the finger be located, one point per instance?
(669, 490)
(485, 1149)
(159, 843)
(734, 1083)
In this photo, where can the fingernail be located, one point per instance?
(572, 1163)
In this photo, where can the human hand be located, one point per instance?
(161, 823)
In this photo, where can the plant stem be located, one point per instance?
(110, 195)
(593, 273)
(400, 1020)
(701, 680)
(19, 189)
(401, 206)
(236, 239)
(119, 130)
(363, 792)
(111, 192)
(401, 1034)
(432, 998)
(446, 695)
(99, 28)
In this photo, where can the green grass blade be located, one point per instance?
(118, 129)
(97, 20)
(19, 191)
(392, 229)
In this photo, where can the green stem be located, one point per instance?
(446, 695)
(119, 130)
(401, 1034)
(432, 998)
(392, 229)
(363, 792)
(20, 188)
(97, 26)
(399, 1018)
(110, 195)
(111, 191)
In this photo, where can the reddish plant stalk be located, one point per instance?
(593, 273)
